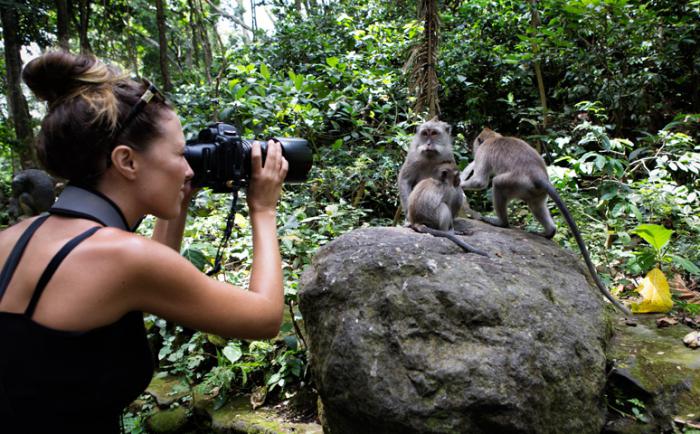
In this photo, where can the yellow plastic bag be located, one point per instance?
(656, 295)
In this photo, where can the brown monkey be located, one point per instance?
(434, 203)
(519, 172)
(431, 146)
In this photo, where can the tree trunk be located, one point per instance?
(194, 55)
(422, 63)
(63, 22)
(131, 46)
(538, 70)
(19, 112)
(84, 7)
(163, 46)
(204, 37)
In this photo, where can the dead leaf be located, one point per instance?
(257, 398)
(656, 295)
(684, 293)
(666, 322)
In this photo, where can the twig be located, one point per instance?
(297, 330)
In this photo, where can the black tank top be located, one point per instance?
(54, 381)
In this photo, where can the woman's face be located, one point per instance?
(165, 171)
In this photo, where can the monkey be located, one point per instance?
(434, 203)
(32, 192)
(431, 146)
(519, 172)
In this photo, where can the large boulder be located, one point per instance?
(410, 334)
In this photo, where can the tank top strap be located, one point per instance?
(16, 254)
(53, 265)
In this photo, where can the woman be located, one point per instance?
(73, 350)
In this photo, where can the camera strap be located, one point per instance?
(227, 233)
(90, 204)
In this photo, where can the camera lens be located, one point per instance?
(297, 153)
(220, 158)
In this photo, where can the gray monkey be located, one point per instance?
(32, 193)
(434, 203)
(431, 146)
(519, 172)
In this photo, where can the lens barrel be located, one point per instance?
(221, 159)
(297, 153)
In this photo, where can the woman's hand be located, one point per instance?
(266, 182)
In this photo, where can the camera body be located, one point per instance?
(220, 158)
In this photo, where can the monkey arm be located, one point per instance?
(475, 183)
(467, 172)
(405, 187)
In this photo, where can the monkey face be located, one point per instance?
(432, 140)
(448, 175)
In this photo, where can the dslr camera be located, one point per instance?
(220, 158)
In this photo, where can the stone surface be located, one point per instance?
(168, 421)
(167, 389)
(236, 416)
(410, 334)
(651, 364)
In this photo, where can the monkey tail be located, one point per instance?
(552, 192)
(452, 237)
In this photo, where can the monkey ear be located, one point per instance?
(448, 127)
(455, 177)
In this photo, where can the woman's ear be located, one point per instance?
(124, 161)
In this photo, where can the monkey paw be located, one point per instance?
(494, 221)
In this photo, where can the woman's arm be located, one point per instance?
(169, 232)
(177, 291)
(262, 197)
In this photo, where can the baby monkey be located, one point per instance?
(434, 203)
(519, 172)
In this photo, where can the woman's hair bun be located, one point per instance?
(59, 74)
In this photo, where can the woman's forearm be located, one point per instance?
(169, 232)
(266, 274)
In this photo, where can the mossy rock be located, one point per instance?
(237, 416)
(653, 365)
(167, 389)
(168, 421)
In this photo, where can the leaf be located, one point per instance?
(332, 61)
(240, 221)
(687, 264)
(216, 340)
(656, 295)
(196, 257)
(274, 379)
(233, 353)
(265, 71)
(681, 290)
(655, 235)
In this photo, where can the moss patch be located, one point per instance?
(168, 421)
(167, 389)
(659, 362)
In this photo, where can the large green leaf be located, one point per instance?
(656, 235)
